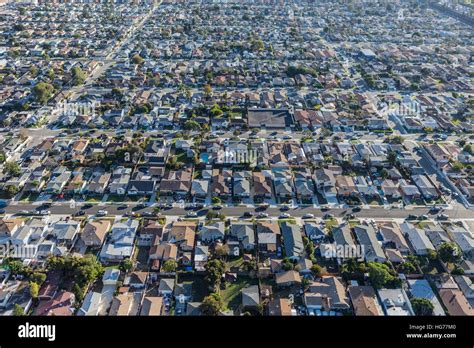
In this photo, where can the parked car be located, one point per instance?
(285, 216)
(248, 214)
(262, 215)
(102, 213)
(442, 217)
(308, 216)
(191, 214)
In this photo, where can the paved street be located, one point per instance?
(118, 209)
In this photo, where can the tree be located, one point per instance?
(78, 76)
(212, 304)
(33, 70)
(449, 253)
(392, 157)
(78, 293)
(216, 111)
(51, 74)
(406, 267)
(12, 168)
(18, 310)
(11, 190)
(127, 265)
(422, 306)
(317, 270)
(170, 266)
(137, 59)
(34, 289)
(457, 166)
(468, 149)
(87, 270)
(192, 125)
(42, 92)
(207, 90)
(15, 266)
(287, 265)
(117, 92)
(432, 255)
(215, 268)
(380, 275)
(82, 270)
(38, 278)
(398, 139)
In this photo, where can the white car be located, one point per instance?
(308, 216)
(285, 216)
(102, 213)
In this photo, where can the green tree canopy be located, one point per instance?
(170, 266)
(78, 76)
(137, 59)
(212, 304)
(18, 310)
(215, 268)
(381, 275)
(12, 168)
(42, 92)
(34, 289)
(449, 252)
(422, 306)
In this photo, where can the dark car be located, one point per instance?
(412, 217)
(248, 214)
(140, 206)
(442, 217)
(356, 209)
(122, 207)
(87, 206)
(80, 213)
(2, 211)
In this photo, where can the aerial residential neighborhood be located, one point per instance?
(236, 158)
